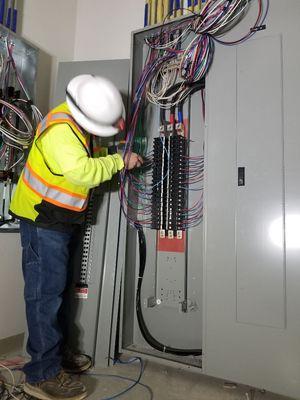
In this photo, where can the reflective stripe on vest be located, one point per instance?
(54, 118)
(58, 117)
(52, 194)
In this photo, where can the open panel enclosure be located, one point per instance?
(229, 285)
(16, 51)
(171, 291)
(231, 288)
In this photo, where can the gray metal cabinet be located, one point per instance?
(252, 274)
(91, 318)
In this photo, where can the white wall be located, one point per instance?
(103, 28)
(50, 25)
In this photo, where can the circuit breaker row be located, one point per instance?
(169, 183)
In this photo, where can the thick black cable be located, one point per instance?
(142, 324)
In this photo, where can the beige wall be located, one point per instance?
(103, 28)
(51, 26)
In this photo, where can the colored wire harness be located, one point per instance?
(179, 57)
(19, 117)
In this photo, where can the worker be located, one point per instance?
(50, 201)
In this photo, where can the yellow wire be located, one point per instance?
(152, 10)
(165, 8)
(179, 13)
(160, 11)
(191, 8)
(197, 7)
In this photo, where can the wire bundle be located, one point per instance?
(187, 66)
(19, 117)
(192, 216)
(11, 390)
(179, 57)
(138, 203)
(178, 60)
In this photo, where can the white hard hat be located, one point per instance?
(95, 104)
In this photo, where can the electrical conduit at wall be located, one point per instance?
(157, 11)
(9, 14)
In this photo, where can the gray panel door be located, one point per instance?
(252, 274)
(91, 318)
(115, 70)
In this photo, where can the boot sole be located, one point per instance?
(39, 394)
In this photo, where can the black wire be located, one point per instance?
(142, 324)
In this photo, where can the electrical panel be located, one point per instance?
(19, 116)
(199, 267)
(231, 288)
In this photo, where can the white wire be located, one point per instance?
(10, 372)
(173, 71)
(228, 22)
(13, 384)
(20, 137)
(2, 63)
(202, 21)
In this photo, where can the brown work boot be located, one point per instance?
(75, 363)
(62, 387)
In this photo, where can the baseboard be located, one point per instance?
(12, 344)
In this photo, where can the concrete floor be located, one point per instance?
(162, 383)
(166, 384)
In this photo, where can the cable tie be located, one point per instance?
(258, 28)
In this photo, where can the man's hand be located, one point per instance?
(133, 160)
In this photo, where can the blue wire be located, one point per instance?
(125, 379)
(180, 116)
(2, 11)
(135, 382)
(8, 17)
(130, 361)
(146, 15)
(14, 20)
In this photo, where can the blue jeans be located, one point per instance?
(45, 262)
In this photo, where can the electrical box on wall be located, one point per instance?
(171, 291)
(19, 115)
(221, 285)
(238, 286)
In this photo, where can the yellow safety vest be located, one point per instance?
(38, 182)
